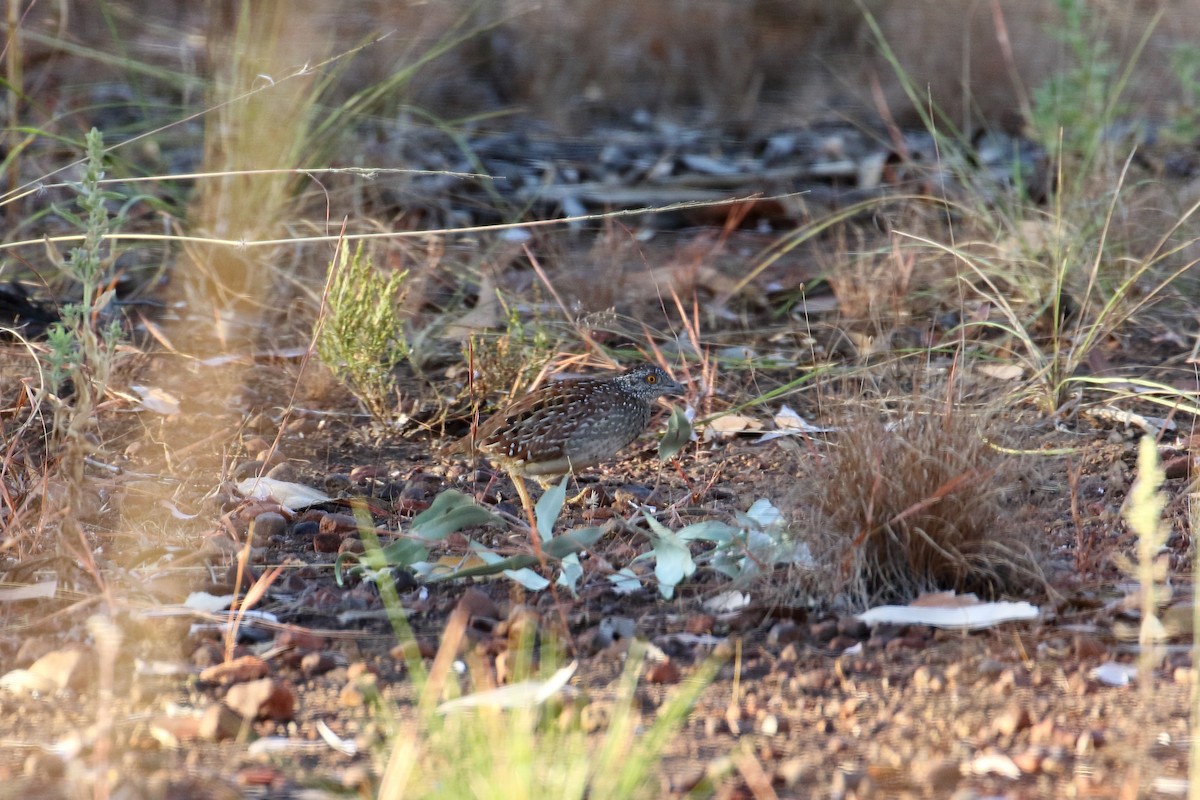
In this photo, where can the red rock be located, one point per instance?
(71, 667)
(663, 672)
(262, 699)
(327, 542)
(316, 663)
(246, 668)
(339, 523)
(1088, 647)
(1012, 720)
(258, 775)
(301, 639)
(351, 544)
(219, 722)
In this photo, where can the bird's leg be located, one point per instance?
(527, 504)
(547, 481)
(577, 500)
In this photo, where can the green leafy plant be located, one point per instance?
(1185, 62)
(1078, 102)
(521, 740)
(453, 511)
(361, 335)
(741, 551)
(507, 362)
(1075, 112)
(82, 346)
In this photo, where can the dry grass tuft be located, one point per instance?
(921, 503)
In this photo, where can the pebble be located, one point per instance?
(928, 679)
(267, 526)
(337, 483)
(1012, 720)
(823, 632)
(284, 472)
(853, 627)
(770, 725)
(783, 633)
(247, 469)
(327, 542)
(339, 523)
(989, 668)
(352, 544)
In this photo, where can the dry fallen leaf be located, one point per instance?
(157, 400)
(1004, 372)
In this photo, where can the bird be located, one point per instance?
(567, 426)
(570, 425)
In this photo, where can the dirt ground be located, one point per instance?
(818, 704)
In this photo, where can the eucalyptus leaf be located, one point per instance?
(708, 531)
(672, 563)
(764, 513)
(557, 548)
(572, 571)
(672, 558)
(625, 581)
(548, 508)
(532, 581)
(451, 511)
(679, 433)
(401, 553)
(522, 575)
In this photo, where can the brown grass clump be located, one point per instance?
(921, 503)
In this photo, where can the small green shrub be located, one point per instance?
(81, 347)
(1080, 101)
(361, 336)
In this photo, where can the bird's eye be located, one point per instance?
(651, 379)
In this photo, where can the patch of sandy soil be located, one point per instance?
(815, 703)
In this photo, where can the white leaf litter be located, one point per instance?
(1004, 372)
(248, 616)
(789, 423)
(209, 603)
(966, 617)
(175, 512)
(995, 764)
(525, 694)
(1175, 787)
(157, 400)
(292, 496)
(29, 591)
(346, 747)
(1110, 673)
(727, 602)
